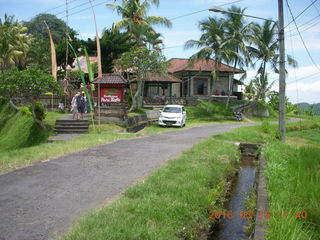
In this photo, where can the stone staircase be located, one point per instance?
(67, 126)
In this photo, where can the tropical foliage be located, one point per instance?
(39, 53)
(225, 40)
(28, 84)
(14, 43)
(136, 22)
(113, 43)
(265, 46)
(141, 61)
(259, 88)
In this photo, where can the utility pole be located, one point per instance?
(282, 75)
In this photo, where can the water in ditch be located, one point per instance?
(233, 228)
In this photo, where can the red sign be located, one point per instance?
(111, 95)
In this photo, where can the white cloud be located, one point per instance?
(301, 72)
(304, 92)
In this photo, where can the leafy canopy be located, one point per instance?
(29, 83)
(14, 43)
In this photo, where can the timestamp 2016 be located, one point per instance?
(249, 214)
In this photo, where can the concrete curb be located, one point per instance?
(262, 202)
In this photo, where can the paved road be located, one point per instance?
(41, 201)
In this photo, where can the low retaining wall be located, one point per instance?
(262, 201)
(136, 123)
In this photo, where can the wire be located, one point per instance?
(306, 23)
(80, 5)
(295, 18)
(292, 52)
(304, 44)
(84, 9)
(62, 5)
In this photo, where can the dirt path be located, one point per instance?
(41, 201)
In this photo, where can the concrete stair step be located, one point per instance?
(72, 124)
(71, 127)
(72, 121)
(71, 131)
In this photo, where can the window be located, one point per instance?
(200, 86)
(172, 110)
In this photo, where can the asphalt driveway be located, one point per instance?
(42, 201)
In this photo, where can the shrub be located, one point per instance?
(26, 111)
(39, 110)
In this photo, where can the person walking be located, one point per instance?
(80, 106)
(74, 107)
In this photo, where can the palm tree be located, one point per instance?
(211, 42)
(265, 47)
(14, 43)
(135, 19)
(237, 34)
(224, 40)
(261, 86)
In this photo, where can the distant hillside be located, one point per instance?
(306, 107)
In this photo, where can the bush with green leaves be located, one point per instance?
(39, 110)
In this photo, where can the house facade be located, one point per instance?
(197, 79)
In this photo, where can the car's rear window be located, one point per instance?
(172, 110)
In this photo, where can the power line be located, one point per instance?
(302, 37)
(62, 5)
(292, 52)
(98, 4)
(77, 6)
(306, 23)
(295, 18)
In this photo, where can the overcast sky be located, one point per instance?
(303, 84)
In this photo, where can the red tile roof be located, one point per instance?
(180, 64)
(110, 78)
(165, 78)
(83, 63)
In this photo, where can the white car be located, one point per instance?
(173, 115)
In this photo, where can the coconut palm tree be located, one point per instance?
(237, 34)
(261, 86)
(14, 43)
(211, 42)
(224, 39)
(265, 47)
(135, 19)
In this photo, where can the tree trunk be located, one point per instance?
(231, 81)
(136, 98)
(39, 122)
(13, 106)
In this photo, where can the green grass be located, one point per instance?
(293, 177)
(312, 136)
(137, 112)
(11, 160)
(50, 120)
(23, 142)
(18, 130)
(155, 128)
(293, 185)
(215, 111)
(172, 203)
(106, 128)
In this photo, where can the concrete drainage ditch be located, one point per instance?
(232, 224)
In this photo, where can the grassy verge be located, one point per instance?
(155, 128)
(50, 120)
(210, 111)
(293, 187)
(11, 160)
(293, 177)
(166, 206)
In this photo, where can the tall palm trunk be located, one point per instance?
(231, 81)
